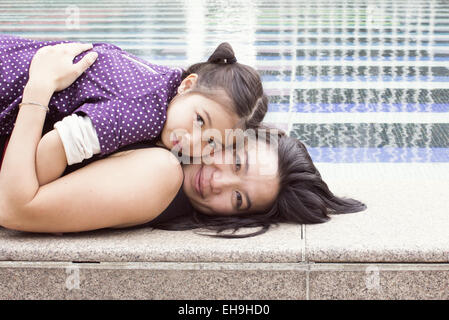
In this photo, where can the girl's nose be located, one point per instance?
(186, 139)
(186, 144)
(208, 148)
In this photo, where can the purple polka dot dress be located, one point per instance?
(125, 97)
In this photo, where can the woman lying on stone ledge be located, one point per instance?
(266, 180)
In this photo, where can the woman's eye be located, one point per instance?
(200, 120)
(238, 164)
(239, 199)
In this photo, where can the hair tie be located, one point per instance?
(230, 61)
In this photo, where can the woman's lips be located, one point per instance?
(198, 184)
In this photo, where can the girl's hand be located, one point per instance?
(53, 65)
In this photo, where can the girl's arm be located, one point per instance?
(51, 159)
(73, 140)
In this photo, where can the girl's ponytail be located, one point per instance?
(231, 84)
(223, 55)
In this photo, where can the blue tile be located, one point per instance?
(380, 155)
(369, 107)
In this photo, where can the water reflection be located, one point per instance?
(375, 142)
(315, 57)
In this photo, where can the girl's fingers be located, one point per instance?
(85, 62)
(74, 48)
(77, 48)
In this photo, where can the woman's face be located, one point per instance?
(248, 183)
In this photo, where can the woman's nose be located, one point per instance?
(221, 181)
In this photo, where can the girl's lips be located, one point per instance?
(198, 186)
(178, 147)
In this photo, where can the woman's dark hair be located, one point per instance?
(304, 198)
(241, 84)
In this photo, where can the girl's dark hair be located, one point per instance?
(241, 84)
(304, 198)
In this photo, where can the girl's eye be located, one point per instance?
(212, 143)
(200, 120)
(238, 164)
(239, 199)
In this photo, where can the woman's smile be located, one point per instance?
(199, 182)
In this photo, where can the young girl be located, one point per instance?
(122, 99)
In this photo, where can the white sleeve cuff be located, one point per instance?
(78, 137)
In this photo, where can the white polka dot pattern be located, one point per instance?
(126, 101)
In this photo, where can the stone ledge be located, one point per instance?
(407, 219)
(279, 244)
(63, 280)
(216, 281)
(378, 281)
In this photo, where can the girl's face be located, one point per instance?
(196, 125)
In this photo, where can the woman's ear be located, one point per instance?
(188, 83)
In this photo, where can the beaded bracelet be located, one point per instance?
(36, 104)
